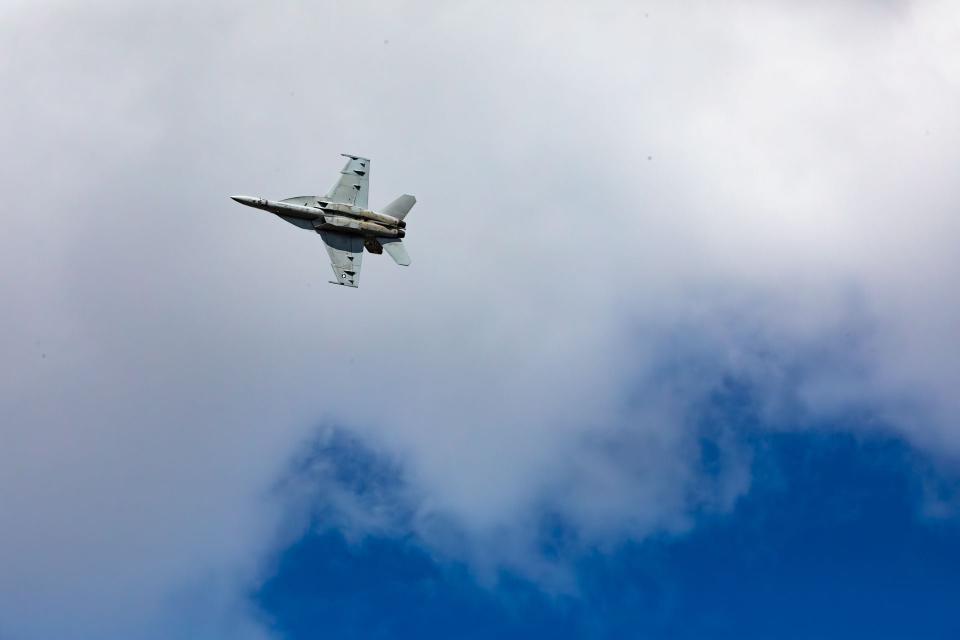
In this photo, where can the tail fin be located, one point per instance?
(400, 207)
(394, 246)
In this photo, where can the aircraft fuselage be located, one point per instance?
(332, 216)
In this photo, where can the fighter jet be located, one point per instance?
(343, 221)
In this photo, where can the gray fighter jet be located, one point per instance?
(343, 221)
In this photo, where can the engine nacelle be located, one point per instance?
(380, 230)
(381, 218)
(360, 212)
(342, 221)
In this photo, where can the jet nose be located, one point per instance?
(243, 199)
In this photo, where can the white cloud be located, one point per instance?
(604, 191)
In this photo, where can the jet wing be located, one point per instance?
(353, 186)
(346, 256)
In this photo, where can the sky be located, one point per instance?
(677, 354)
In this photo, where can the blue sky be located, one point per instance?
(677, 353)
(831, 542)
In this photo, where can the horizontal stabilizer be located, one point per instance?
(394, 246)
(400, 207)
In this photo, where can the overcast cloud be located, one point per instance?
(621, 205)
